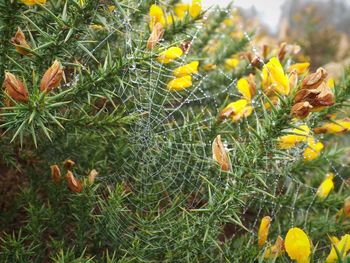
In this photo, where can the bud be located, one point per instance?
(92, 176)
(301, 109)
(52, 77)
(68, 164)
(220, 154)
(314, 80)
(15, 88)
(73, 184)
(156, 35)
(55, 173)
(20, 42)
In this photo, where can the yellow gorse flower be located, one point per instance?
(313, 149)
(209, 67)
(326, 186)
(337, 126)
(298, 245)
(33, 2)
(342, 246)
(297, 135)
(156, 16)
(191, 68)
(181, 9)
(244, 89)
(263, 230)
(180, 84)
(300, 68)
(169, 55)
(274, 79)
(195, 8)
(236, 110)
(231, 63)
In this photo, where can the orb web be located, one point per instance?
(169, 171)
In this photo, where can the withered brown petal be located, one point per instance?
(20, 42)
(314, 80)
(15, 88)
(68, 164)
(220, 154)
(55, 173)
(52, 77)
(92, 175)
(73, 184)
(156, 35)
(301, 109)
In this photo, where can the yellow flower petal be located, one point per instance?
(195, 8)
(274, 79)
(301, 68)
(231, 63)
(33, 2)
(326, 186)
(181, 9)
(169, 55)
(313, 150)
(336, 126)
(209, 67)
(342, 246)
(156, 16)
(191, 68)
(243, 88)
(330, 83)
(179, 84)
(263, 230)
(297, 245)
(298, 135)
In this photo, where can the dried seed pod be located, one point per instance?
(92, 175)
(20, 42)
(156, 35)
(314, 80)
(15, 88)
(68, 164)
(55, 173)
(220, 154)
(52, 77)
(73, 184)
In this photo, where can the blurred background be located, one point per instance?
(320, 27)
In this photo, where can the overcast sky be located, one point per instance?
(269, 10)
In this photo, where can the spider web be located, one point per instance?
(170, 161)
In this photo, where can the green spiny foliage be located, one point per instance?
(159, 195)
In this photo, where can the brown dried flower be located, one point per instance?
(314, 80)
(68, 164)
(73, 184)
(301, 109)
(220, 154)
(156, 35)
(20, 42)
(55, 173)
(92, 175)
(15, 88)
(52, 77)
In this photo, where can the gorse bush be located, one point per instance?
(136, 131)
